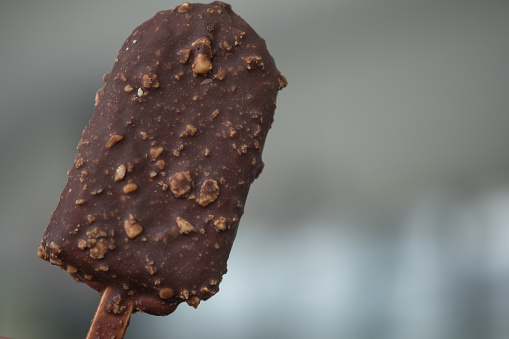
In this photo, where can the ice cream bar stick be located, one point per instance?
(112, 316)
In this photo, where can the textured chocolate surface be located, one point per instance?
(153, 202)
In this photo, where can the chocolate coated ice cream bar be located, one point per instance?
(163, 169)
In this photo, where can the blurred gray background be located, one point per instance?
(383, 209)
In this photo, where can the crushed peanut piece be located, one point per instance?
(226, 46)
(255, 61)
(185, 7)
(130, 188)
(156, 152)
(166, 293)
(96, 233)
(98, 96)
(71, 269)
(132, 228)
(220, 224)
(99, 250)
(181, 184)
(193, 301)
(150, 81)
(120, 173)
(190, 131)
(201, 64)
(160, 164)
(282, 82)
(128, 88)
(184, 226)
(209, 192)
(184, 55)
(220, 74)
(113, 140)
(79, 162)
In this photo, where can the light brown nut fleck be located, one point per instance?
(150, 81)
(99, 250)
(82, 244)
(120, 173)
(88, 276)
(79, 162)
(54, 248)
(215, 113)
(152, 175)
(160, 164)
(80, 201)
(255, 61)
(122, 77)
(130, 188)
(190, 131)
(71, 269)
(282, 82)
(220, 224)
(163, 185)
(151, 269)
(113, 140)
(55, 261)
(181, 183)
(185, 7)
(184, 294)
(128, 88)
(193, 301)
(207, 152)
(209, 192)
(96, 192)
(220, 74)
(184, 226)
(132, 228)
(96, 233)
(226, 46)
(98, 96)
(238, 35)
(140, 92)
(166, 293)
(201, 64)
(155, 152)
(144, 135)
(184, 55)
(203, 44)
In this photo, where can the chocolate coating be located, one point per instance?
(154, 199)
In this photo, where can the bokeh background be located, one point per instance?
(383, 209)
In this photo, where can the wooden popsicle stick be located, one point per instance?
(112, 316)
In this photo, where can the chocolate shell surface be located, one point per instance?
(163, 169)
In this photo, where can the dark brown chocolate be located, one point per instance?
(158, 186)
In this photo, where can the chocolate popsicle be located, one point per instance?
(152, 204)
